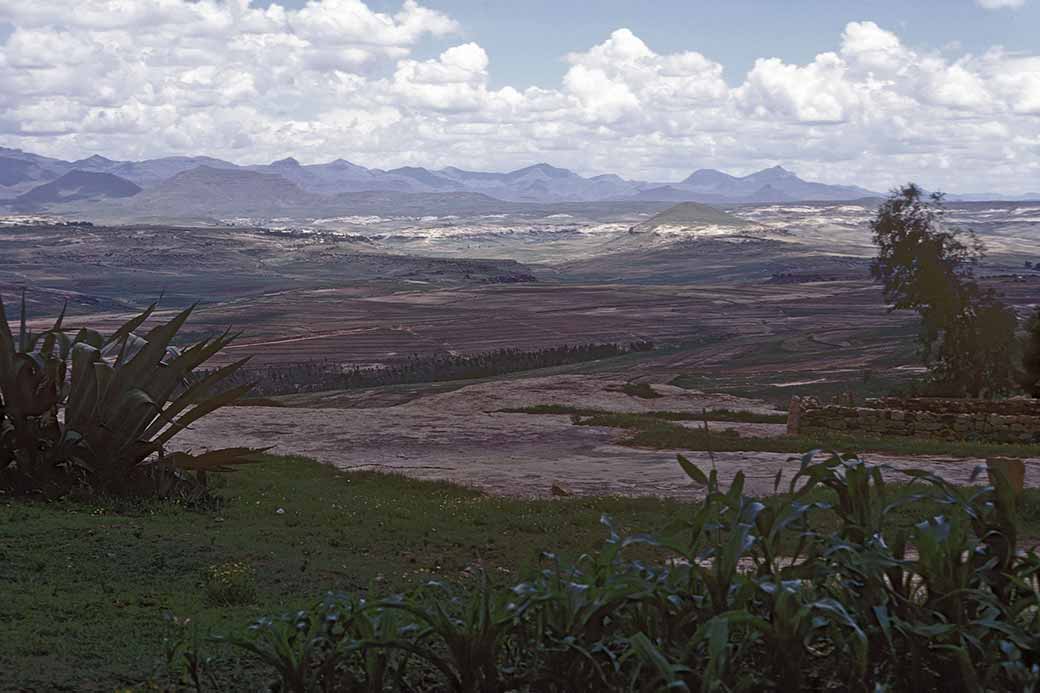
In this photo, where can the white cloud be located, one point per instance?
(819, 92)
(137, 78)
(1000, 4)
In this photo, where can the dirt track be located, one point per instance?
(458, 436)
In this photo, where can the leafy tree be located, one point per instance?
(975, 355)
(1031, 357)
(925, 265)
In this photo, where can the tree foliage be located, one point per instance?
(928, 266)
(1031, 357)
(318, 376)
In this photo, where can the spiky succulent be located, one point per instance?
(95, 411)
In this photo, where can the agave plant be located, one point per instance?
(96, 412)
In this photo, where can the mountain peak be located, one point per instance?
(544, 169)
(287, 162)
(94, 160)
(707, 175)
(775, 172)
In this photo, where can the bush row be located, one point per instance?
(319, 376)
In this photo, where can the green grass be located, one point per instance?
(654, 429)
(641, 390)
(649, 431)
(880, 380)
(637, 419)
(86, 585)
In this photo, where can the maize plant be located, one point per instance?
(782, 594)
(85, 411)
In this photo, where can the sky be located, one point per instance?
(872, 92)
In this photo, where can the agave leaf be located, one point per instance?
(196, 392)
(121, 352)
(152, 353)
(130, 325)
(215, 460)
(165, 380)
(129, 416)
(135, 371)
(55, 338)
(83, 396)
(61, 317)
(157, 332)
(7, 366)
(200, 410)
(105, 374)
(5, 326)
(199, 353)
(23, 333)
(90, 337)
(34, 393)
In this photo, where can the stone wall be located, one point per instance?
(1006, 421)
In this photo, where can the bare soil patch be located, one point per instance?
(459, 436)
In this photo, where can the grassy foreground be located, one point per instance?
(86, 587)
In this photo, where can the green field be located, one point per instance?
(88, 587)
(657, 430)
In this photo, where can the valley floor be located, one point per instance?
(462, 436)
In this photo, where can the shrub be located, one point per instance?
(232, 583)
(745, 594)
(641, 390)
(317, 376)
(1030, 378)
(636, 418)
(94, 413)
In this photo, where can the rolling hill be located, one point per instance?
(77, 187)
(692, 214)
(775, 184)
(15, 172)
(206, 191)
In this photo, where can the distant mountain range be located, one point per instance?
(205, 186)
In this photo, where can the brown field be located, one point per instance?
(462, 436)
(717, 344)
(744, 332)
(764, 340)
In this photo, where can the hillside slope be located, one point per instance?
(206, 191)
(76, 186)
(691, 214)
